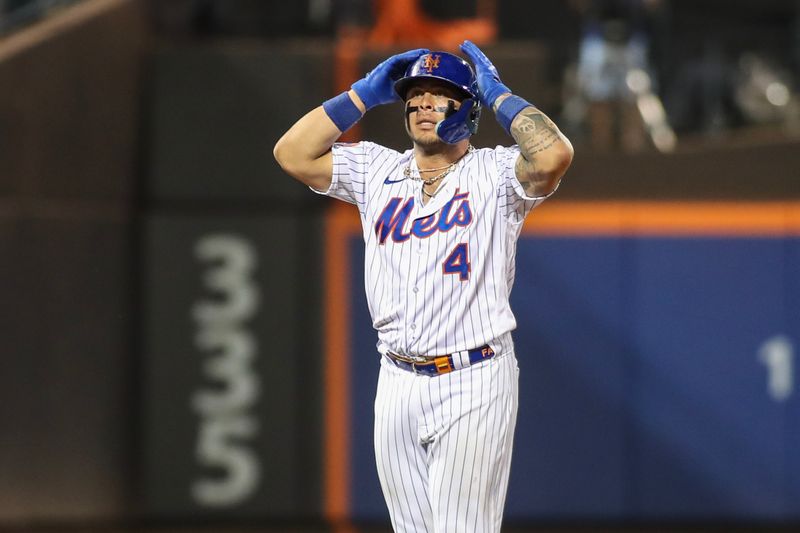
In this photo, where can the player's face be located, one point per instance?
(426, 105)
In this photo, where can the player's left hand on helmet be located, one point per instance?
(377, 87)
(489, 85)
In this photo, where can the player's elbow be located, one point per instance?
(282, 154)
(561, 160)
(550, 168)
(287, 158)
(555, 162)
(315, 173)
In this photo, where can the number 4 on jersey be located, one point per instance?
(458, 262)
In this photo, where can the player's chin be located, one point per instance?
(425, 138)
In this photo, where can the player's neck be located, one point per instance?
(439, 155)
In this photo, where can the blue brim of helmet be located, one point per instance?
(402, 86)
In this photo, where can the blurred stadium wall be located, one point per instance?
(166, 290)
(69, 117)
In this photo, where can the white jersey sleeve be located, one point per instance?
(353, 167)
(516, 204)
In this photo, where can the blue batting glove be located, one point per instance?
(489, 85)
(377, 87)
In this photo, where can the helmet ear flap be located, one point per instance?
(461, 123)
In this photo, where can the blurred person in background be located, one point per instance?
(617, 39)
(735, 70)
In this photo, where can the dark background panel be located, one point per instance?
(178, 367)
(758, 171)
(216, 112)
(707, 430)
(68, 115)
(64, 387)
(238, 18)
(68, 119)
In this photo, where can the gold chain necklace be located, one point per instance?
(447, 169)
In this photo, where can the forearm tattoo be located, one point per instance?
(534, 133)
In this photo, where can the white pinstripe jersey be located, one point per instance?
(437, 276)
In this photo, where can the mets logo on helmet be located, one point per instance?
(431, 62)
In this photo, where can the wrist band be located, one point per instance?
(342, 111)
(495, 91)
(508, 109)
(367, 95)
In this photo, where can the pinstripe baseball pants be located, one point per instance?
(443, 445)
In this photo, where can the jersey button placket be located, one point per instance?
(414, 277)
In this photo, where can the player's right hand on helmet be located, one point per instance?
(489, 85)
(377, 87)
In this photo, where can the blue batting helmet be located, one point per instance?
(455, 72)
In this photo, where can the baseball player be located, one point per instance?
(440, 224)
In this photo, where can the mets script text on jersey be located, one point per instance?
(393, 219)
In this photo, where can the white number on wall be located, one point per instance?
(227, 423)
(777, 353)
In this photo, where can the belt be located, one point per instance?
(442, 364)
